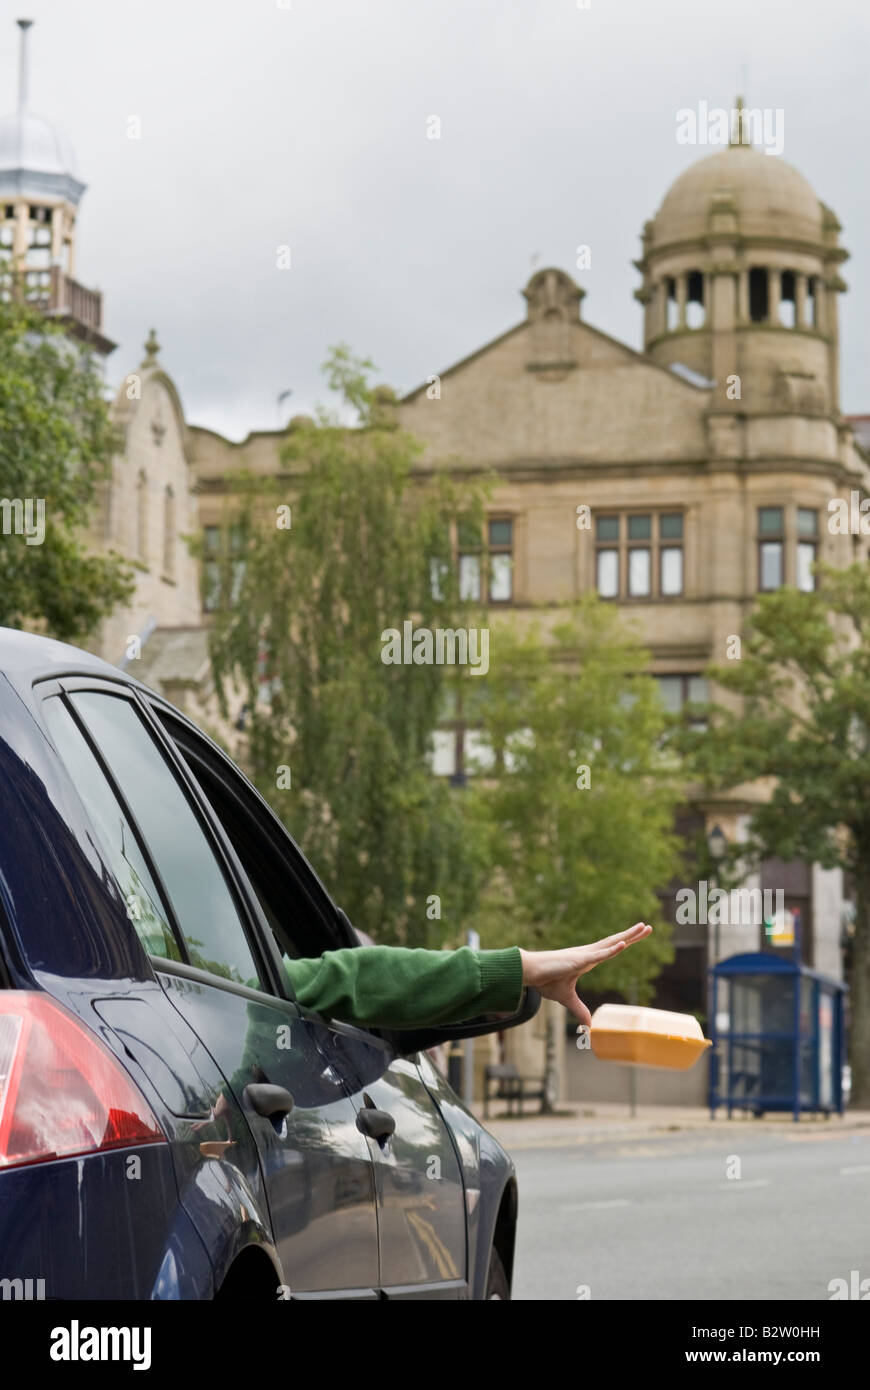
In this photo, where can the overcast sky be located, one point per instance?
(303, 123)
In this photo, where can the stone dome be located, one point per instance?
(36, 159)
(770, 197)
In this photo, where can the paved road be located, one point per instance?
(656, 1217)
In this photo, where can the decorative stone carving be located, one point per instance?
(552, 294)
(799, 390)
(553, 308)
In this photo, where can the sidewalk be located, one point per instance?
(580, 1123)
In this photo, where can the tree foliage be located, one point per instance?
(56, 445)
(803, 719)
(579, 808)
(300, 636)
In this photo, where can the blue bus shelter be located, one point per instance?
(778, 1036)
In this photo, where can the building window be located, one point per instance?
(787, 299)
(470, 561)
(770, 548)
(211, 568)
(469, 578)
(695, 309)
(607, 556)
(759, 295)
(811, 304)
(459, 748)
(501, 559)
(653, 546)
(677, 691)
(639, 556)
(438, 571)
(607, 573)
(485, 567)
(221, 548)
(672, 308)
(808, 531)
(169, 533)
(142, 518)
(639, 571)
(670, 554)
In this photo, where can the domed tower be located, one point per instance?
(740, 273)
(40, 190)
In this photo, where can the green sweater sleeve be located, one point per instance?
(403, 987)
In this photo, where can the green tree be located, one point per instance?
(56, 444)
(320, 566)
(579, 806)
(804, 720)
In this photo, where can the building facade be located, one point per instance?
(678, 481)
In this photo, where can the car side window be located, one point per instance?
(197, 888)
(295, 909)
(117, 839)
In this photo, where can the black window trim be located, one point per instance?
(257, 931)
(57, 690)
(221, 768)
(335, 923)
(144, 847)
(254, 921)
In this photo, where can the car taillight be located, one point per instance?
(61, 1091)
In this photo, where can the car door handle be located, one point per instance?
(377, 1124)
(269, 1100)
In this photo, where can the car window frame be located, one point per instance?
(256, 929)
(336, 924)
(52, 689)
(253, 806)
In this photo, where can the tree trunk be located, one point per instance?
(859, 998)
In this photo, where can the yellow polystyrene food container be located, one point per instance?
(646, 1037)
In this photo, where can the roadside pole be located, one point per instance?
(472, 940)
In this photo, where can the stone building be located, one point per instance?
(679, 481)
(149, 505)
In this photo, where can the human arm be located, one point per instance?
(408, 987)
(403, 987)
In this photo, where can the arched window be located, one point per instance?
(142, 517)
(759, 294)
(811, 304)
(696, 311)
(787, 299)
(169, 533)
(672, 319)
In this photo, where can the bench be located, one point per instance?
(503, 1082)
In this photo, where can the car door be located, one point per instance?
(420, 1194)
(422, 1216)
(316, 1165)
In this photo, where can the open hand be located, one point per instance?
(554, 974)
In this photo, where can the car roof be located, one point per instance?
(24, 656)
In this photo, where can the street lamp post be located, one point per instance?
(717, 845)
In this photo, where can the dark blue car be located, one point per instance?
(167, 1130)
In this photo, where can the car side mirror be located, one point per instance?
(407, 1041)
